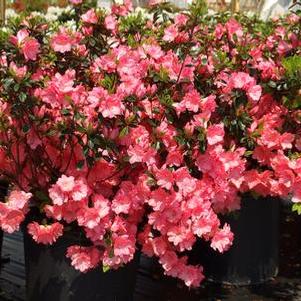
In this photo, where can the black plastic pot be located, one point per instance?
(50, 277)
(253, 258)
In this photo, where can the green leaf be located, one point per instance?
(292, 64)
(198, 8)
(26, 128)
(272, 84)
(105, 268)
(166, 99)
(50, 133)
(16, 87)
(80, 164)
(91, 144)
(124, 132)
(22, 96)
(248, 153)
(297, 207)
(65, 112)
(7, 83)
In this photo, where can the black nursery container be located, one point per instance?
(253, 257)
(50, 277)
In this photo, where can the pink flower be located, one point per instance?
(283, 48)
(67, 188)
(154, 51)
(30, 48)
(80, 190)
(22, 35)
(168, 260)
(174, 158)
(111, 106)
(124, 247)
(219, 31)
(258, 182)
(270, 138)
(170, 33)
(164, 178)
(215, 134)
(154, 2)
(241, 80)
(185, 182)
(102, 205)
(66, 184)
(76, 2)
(84, 258)
(254, 93)
(19, 72)
(90, 17)
(158, 199)
(208, 104)
(12, 213)
(297, 191)
(62, 42)
(234, 28)
(192, 101)
(222, 240)
(286, 140)
(293, 18)
(159, 245)
(57, 196)
(18, 200)
(192, 276)
(181, 19)
(45, 234)
(88, 217)
(126, 199)
(3, 60)
(114, 144)
(111, 22)
(206, 224)
(140, 154)
(182, 237)
(10, 219)
(121, 204)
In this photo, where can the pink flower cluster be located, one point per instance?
(12, 213)
(140, 136)
(27, 45)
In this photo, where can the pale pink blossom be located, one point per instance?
(83, 258)
(215, 134)
(222, 240)
(170, 33)
(111, 22)
(90, 17)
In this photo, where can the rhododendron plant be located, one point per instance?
(138, 131)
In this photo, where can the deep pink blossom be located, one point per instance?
(45, 234)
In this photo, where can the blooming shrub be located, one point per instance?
(140, 129)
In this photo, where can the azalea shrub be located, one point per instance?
(136, 130)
